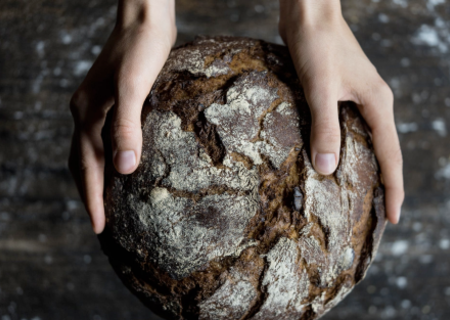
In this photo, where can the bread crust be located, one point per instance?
(225, 217)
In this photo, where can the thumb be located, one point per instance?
(126, 125)
(325, 131)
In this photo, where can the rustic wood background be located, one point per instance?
(51, 266)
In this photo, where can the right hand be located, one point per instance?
(332, 67)
(122, 76)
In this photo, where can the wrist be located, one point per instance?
(131, 13)
(310, 12)
(308, 15)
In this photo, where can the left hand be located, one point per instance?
(120, 78)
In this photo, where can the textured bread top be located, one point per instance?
(225, 217)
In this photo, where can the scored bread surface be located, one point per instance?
(225, 217)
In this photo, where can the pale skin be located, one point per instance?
(138, 47)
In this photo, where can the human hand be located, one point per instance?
(332, 67)
(122, 76)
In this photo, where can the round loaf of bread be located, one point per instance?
(225, 217)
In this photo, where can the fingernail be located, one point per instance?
(125, 161)
(325, 163)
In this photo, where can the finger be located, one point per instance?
(134, 82)
(126, 126)
(377, 110)
(92, 163)
(86, 160)
(325, 131)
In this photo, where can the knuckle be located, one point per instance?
(392, 161)
(397, 157)
(327, 132)
(84, 165)
(397, 191)
(78, 102)
(79, 99)
(391, 156)
(124, 129)
(383, 91)
(87, 165)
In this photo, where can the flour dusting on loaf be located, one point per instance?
(225, 217)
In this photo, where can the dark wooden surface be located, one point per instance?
(51, 266)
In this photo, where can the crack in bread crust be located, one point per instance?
(225, 217)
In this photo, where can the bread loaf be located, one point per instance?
(225, 217)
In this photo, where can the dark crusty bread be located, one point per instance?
(225, 218)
